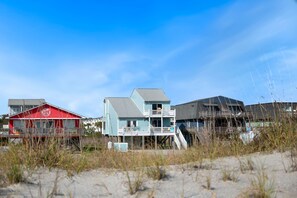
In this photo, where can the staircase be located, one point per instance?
(179, 140)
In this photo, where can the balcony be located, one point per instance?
(159, 113)
(45, 132)
(135, 131)
(222, 114)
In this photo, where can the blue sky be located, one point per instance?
(75, 53)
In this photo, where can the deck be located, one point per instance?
(153, 131)
(43, 133)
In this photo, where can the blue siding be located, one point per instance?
(138, 100)
(142, 124)
(111, 125)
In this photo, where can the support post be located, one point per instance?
(142, 142)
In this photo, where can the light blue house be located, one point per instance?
(143, 120)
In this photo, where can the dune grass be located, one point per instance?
(281, 136)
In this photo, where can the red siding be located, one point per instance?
(58, 123)
(46, 112)
(10, 126)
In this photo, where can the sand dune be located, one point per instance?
(188, 180)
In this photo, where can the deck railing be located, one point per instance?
(132, 131)
(215, 114)
(218, 130)
(45, 132)
(160, 113)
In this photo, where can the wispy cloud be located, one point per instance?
(230, 60)
(242, 49)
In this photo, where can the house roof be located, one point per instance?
(125, 107)
(271, 110)
(22, 102)
(23, 112)
(152, 94)
(193, 109)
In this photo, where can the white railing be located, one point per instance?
(24, 132)
(134, 131)
(182, 138)
(160, 113)
(177, 142)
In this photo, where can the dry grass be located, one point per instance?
(156, 172)
(208, 185)
(282, 136)
(246, 164)
(229, 175)
(293, 158)
(20, 158)
(261, 186)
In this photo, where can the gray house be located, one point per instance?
(143, 120)
(263, 114)
(16, 106)
(216, 115)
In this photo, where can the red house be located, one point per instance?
(45, 120)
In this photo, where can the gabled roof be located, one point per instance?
(125, 107)
(193, 109)
(271, 110)
(216, 100)
(152, 95)
(43, 104)
(22, 102)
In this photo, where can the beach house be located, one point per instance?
(143, 120)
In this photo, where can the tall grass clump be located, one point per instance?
(21, 158)
(280, 135)
(157, 171)
(293, 158)
(261, 186)
(11, 167)
(229, 175)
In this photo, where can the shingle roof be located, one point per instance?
(192, 110)
(36, 102)
(125, 108)
(151, 95)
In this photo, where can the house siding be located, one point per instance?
(142, 124)
(111, 120)
(138, 100)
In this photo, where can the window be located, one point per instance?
(69, 124)
(156, 122)
(15, 109)
(131, 123)
(44, 124)
(157, 108)
(18, 124)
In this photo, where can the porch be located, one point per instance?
(45, 132)
(152, 131)
(159, 113)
